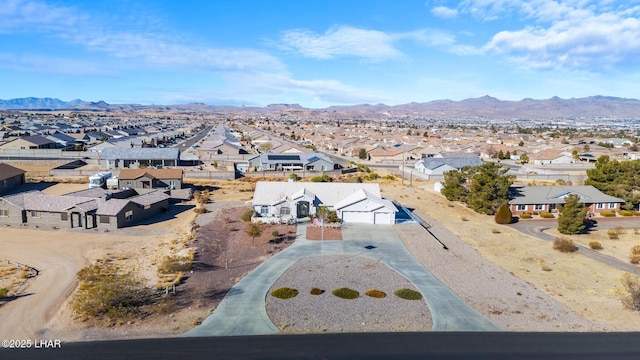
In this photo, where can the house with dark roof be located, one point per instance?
(95, 208)
(290, 162)
(10, 178)
(353, 202)
(111, 158)
(530, 199)
(30, 142)
(150, 178)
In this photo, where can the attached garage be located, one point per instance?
(364, 207)
(384, 218)
(356, 217)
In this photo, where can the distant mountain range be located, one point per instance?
(486, 107)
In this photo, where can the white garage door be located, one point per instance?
(382, 218)
(356, 217)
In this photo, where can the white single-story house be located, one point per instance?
(438, 166)
(353, 202)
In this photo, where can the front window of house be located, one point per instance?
(128, 215)
(264, 210)
(285, 210)
(4, 212)
(538, 207)
(600, 206)
(521, 207)
(612, 205)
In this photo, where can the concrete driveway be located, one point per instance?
(242, 311)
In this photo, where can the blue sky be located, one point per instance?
(317, 53)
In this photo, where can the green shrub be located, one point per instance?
(608, 213)
(525, 216)
(346, 293)
(247, 215)
(626, 212)
(503, 215)
(284, 293)
(372, 176)
(595, 245)
(323, 178)
(316, 291)
(389, 177)
(563, 244)
(4, 292)
(408, 294)
(546, 215)
(374, 293)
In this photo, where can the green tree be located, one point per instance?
(455, 186)
(362, 154)
(500, 155)
(524, 158)
(254, 230)
(617, 178)
(572, 215)
(489, 187)
(507, 155)
(503, 215)
(521, 143)
(484, 187)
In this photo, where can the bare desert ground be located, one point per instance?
(588, 288)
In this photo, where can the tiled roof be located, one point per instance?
(150, 198)
(458, 163)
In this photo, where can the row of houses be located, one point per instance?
(87, 209)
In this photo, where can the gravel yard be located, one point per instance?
(308, 313)
(495, 293)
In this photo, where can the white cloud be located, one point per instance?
(574, 38)
(42, 64)
(444, 12)
(153, 48)
(342, 41)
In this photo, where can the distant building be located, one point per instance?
(30, 142)
(290, 162)
(438, 166)
(150, 178)
(111, 158)
(10, 178)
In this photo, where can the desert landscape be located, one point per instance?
(535, 288)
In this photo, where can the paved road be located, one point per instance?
(535, 228)
(242, 311)
(194, 139)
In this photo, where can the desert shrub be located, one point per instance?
(316, 291)
(104, 290)
(374, 293)
(563, 244)
(546, 215)
(284, 293)
(372, 176)
(634, 257)
(495, 231)
(408, 294)
(332, 216)
(626, 212)
(200, 210)
(173, 264)
(323, 178)
(464, 218)
(595, 245)
(346, 293)
(525, 216)
(4, 292)
(247, 215)
(503, 215)
(389, 177)
(631, 297)
(544, 266)
(608, 213)
(614, 234)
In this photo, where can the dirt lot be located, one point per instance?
(590, 289)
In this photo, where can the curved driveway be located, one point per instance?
(536, 227)
(242, 311)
